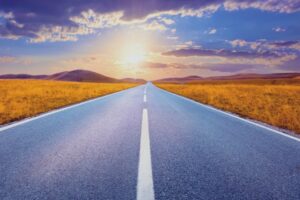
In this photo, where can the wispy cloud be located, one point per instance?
(262, 45)
(267, 5)
(216, 67)
(212, 31)
(279, 29)
(154, 26)
(220, 53)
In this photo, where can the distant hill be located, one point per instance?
(255, 76)
(132, 80)
(22, 76)
(233, 77)
(75, 75)
(181, 79)
(81, 76)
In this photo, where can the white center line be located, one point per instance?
(145, 190)
(145, 98)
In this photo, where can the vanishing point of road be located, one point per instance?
(145, 143)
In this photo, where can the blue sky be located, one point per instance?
(150, 39)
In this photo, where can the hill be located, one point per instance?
(181, 79)
(255, 76)
(22, 76)
(232, 77)
(81, 76)
(75, 75)
(133, 80)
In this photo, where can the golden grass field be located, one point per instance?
(25, 98)
(275, 102)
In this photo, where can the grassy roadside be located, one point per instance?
(26, 98)
(275, 103)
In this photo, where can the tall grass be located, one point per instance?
(25, 98)
(274, 103)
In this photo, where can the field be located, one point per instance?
(275, 102)
(25, 98)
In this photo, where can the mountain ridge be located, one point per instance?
(243, 76)
(77, 75)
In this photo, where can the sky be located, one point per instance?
(150, 39)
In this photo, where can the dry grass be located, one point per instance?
(25, 98)
(273, 102)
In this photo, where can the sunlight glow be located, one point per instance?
(133, 54)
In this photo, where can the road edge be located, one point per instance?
(57, 110)
(233, 115)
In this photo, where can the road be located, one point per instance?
(145, 143)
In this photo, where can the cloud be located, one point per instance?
(220, 53)
(6, 15)
(216, 67)
(243, 43)
(187, 45)
(292, 65)
(238, 43)
(91, 19)
(212, 31)
(60, 33)
(279, 29)
(154, 65)
(295, 45)
(288, 6)
(30, 18)
(167, 21)
(268, 57)
(263, 45)
(154, 26)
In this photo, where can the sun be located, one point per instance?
(134, 58)
(133, 54)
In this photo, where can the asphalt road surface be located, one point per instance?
(145, 143)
